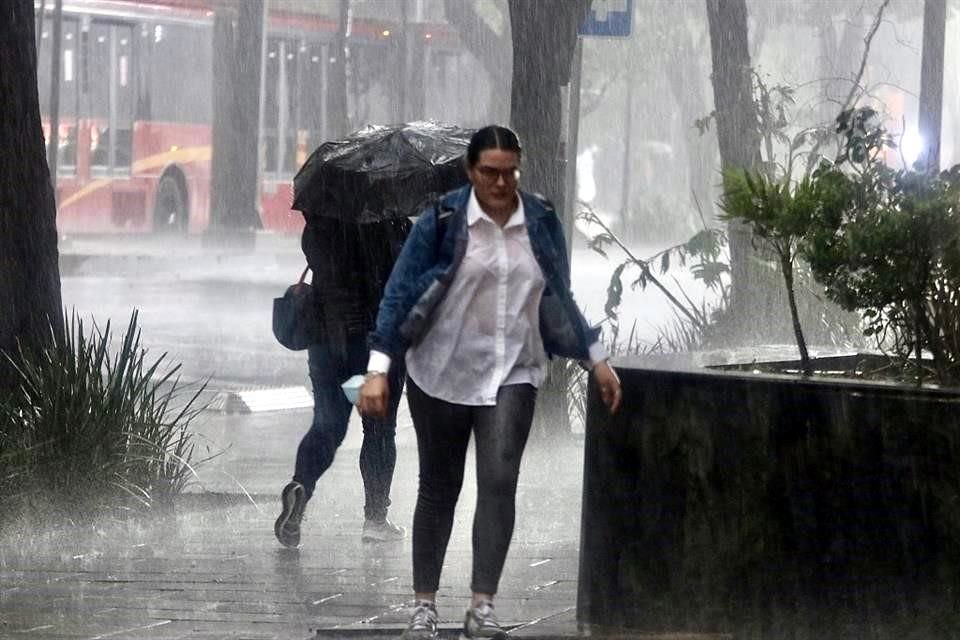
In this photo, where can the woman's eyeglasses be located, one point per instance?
(493, 175)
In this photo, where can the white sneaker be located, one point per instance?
(385, 531)
(423, 622)
(481, 622)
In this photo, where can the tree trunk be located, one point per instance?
(490, 48)
(738, 139)
(931, 81)
(786, 265)
(416, 84)
(685, 85)
(838, 61)
(544, 36)
(625, 213)
(29, 271)
(235, 177)
(40, 16)
(338, 121)
(402, 55)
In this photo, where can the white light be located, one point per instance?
(911, 146)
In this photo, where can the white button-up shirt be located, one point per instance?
(485, 332)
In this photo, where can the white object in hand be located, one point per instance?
(351, 388)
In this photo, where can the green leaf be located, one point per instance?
(614, 292)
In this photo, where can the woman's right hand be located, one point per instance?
(374, 396)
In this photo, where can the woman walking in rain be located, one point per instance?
(480, 294)
(350, 263)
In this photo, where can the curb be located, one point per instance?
(261, 400)
(198, 266)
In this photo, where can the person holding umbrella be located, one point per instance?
(478, 297)
(356, 195)
(350, 263)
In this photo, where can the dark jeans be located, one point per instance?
(329, 368)
(443, 431)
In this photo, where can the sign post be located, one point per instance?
(606, 18)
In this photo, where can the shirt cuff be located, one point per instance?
(598, 353)
(378, 361)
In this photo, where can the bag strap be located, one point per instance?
(443, 221)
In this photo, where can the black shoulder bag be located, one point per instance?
(296, 324)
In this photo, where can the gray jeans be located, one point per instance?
(443, 432)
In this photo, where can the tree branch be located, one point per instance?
(855, 83)
(867, 41)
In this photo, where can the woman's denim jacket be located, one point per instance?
(434, 250)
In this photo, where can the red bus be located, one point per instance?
(136, 92)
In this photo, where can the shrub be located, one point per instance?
(87, 430)
(883, 242)
(887, 244)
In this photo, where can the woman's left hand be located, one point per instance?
(609, 384)
(374, 396)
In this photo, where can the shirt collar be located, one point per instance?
(475, 213)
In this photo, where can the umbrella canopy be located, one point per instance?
(381, 173)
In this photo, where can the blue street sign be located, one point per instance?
(611, 18)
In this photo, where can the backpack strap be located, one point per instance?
(443, 213)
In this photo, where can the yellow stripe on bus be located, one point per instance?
(91, 187)
(182, 156)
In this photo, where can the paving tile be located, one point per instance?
(215, 570)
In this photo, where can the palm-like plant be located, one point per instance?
(780, 214)
(89, 428)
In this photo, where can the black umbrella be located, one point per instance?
(381, 173)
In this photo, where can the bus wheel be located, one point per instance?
(170, 211)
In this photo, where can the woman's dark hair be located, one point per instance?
(491, 137)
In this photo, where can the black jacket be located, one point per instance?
(350, 264)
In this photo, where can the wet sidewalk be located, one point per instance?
(214, 570)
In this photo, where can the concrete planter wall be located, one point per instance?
(771, 506)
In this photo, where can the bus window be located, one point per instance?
(110, 96)
(123, 87)
(178, 61)
(310, 102)
(98, 96)
(288, 124)
(270, 105)
(69, 90)
(372, 94)
(279, 106)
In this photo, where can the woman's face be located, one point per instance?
(494, 178)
